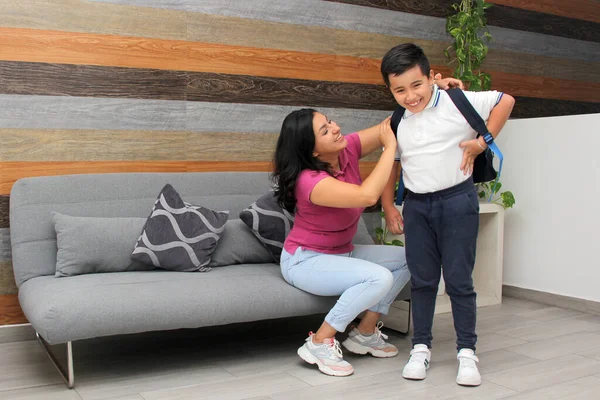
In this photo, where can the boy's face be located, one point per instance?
(412, 89)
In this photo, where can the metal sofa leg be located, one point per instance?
(69, 376)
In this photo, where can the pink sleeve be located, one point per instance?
(354, 147)
(307, 180)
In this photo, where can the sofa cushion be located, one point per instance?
(90, 244)
(270, 223)
(179, 236)
(238, 245)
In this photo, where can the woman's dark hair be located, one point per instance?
(294, 153)
(402, 58)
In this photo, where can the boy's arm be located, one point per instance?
(393, 218)
(498, 117)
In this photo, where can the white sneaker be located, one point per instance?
(468, 374)
(416, 367)
(374, 344)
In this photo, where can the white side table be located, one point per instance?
(487, 275)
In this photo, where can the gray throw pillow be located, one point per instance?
(178, 236)
(270, 223)
(238, 245)
(89, 244)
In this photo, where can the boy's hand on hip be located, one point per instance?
(394, 221)
(470, 150)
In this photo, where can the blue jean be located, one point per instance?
(368, 278)
(441, 237)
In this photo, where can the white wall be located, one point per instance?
(551, 240)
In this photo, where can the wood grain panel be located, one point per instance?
(86, 16)
(29, 78)
(199, 57)
(109, 50)
(26, 78)
(4, 207)
(587, 10)
(500, 15)
(10, 310)
(7, 279)
(212, 28)
(12, 171)
(528, 107)
(98, 145)
(372, 20)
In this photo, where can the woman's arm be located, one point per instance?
(330, 192)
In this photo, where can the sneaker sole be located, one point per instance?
(357, 348)
(309, 358)
(468, 383)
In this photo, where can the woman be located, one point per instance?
(317, 176)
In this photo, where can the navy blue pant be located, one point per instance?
(441, 235)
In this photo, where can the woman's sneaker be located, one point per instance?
(418, 363)
(374, 344)
(468, 374)
(327, 356)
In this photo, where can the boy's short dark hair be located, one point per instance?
(402, 58)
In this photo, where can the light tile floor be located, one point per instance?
(527, 351)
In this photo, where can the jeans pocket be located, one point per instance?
(471, 202)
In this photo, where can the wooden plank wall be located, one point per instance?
(148, 85)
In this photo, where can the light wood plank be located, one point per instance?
(64, 112)
(588, 10)
(545, 373)
(12, 171)
(559, 346)
(50, 392)
(98, 145)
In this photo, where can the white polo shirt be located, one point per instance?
(428, 141)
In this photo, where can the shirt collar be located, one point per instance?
(433, 102)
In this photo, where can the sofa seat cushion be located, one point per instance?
(87, 306)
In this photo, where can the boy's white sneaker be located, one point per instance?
(418, 363)
(468, 374)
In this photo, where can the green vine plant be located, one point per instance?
(487, 189)
(470, 33)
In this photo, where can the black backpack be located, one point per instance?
(483, 168)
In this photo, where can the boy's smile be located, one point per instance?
(412, 89)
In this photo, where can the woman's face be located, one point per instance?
(328, 137)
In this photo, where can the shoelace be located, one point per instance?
(335, 349)
(379, 333)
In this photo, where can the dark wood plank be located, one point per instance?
(10, 310)
(27, 78)
(587, 10)
(498, 15)
(529, 107)
(4, 207)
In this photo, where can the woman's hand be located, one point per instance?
(447, 83)
(386, 135)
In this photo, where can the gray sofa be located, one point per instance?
(63, 310)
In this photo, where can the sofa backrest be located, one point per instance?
(32, 200)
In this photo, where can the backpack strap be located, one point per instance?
(474, 119)
(396, 119)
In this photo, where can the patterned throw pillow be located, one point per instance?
(179, 236)
(270, 223)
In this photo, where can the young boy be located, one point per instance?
(437, 148)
